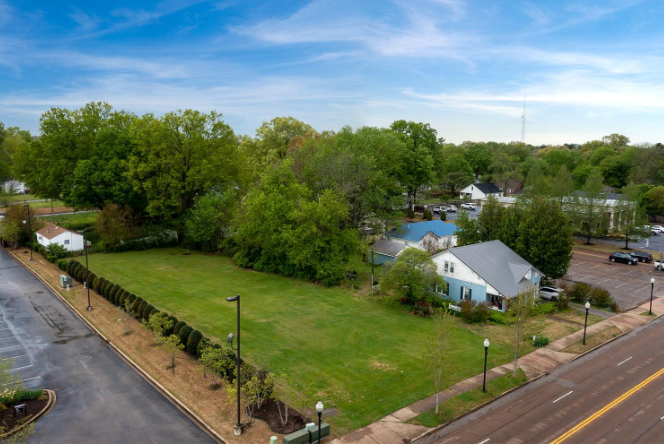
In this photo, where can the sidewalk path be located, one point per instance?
(394, 429)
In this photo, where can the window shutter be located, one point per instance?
(461, 297)
(470, 294)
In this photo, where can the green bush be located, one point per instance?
(131, 298)
(562, 303)
(113, 292)
(145, 314)
(123, 299)
(178, 326)
(202, 345)
(443, 216)
(174, 322)
(137, 303)
(99, 284)
(474, 313)
(580, 292)
(498, 317)
(600, 297)
(141, 307)
(153, 312)
(20, 395)
(427, 215)
(62, 265)
(118, 295)
(410, 213)
(614, 307)
(184, 333)
(193, 341)
(70, 264)
(544, 308)
(540, 341)
(107, 291)
(91, 280)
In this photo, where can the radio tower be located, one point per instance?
(523, 121)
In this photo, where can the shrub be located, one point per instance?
(153, 312)
(600, 297)
(131, 298)
(498, 317)
(137, 303)
(107, 291)
(427, 215)
(118, 295)
(540, 341)
(184, 333)
(91, 280)
(113, 292)
(178, 326)
(580, 292)
(174, 322)
(202, 345)
(99, 284)
(141, 307)
(62, 265)
(410, 213)
(474, 313)
(123, 299)
(545, 308)
(443, 216)
(562, 303)
(102, 287)
(70, 265)
(193, 341)
(145, 314)
(614, 307)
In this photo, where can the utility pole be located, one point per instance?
(523, 121)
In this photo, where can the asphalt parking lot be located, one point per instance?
(653, 243)
(472, 214)
(628, 284)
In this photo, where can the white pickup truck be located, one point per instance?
(658, 265)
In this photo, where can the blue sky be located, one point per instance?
(588, 68)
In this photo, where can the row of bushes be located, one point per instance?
(478, 313)
(52, 253)
(194, 341)
(597, 296)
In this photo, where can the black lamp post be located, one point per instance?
(237, 430)
(486, 354)
(652, 288)
(585, 325)
(30, 230)
(87, 272)
(319, 409)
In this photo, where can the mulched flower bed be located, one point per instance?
(270, 414)
(33, 407)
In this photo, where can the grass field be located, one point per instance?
(363, 358)
(76, 221)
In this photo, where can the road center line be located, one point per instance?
(486, 440)
(566, 394)
(608, 407)
(625, 360)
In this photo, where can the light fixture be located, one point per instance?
(319, 407)
(587, 305)
(486, 343)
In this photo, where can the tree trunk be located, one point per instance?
(437, 392)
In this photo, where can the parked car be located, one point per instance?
(437, 209)
(658, 228)
(450, 209)
(622, 257)
(642, 256)
(550, 293)
(659, 265)
(468, 206)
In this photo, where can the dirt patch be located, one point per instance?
(188, 384)
(269, 413)
(55, 210)
(33, 407)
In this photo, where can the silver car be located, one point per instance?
(550, 293)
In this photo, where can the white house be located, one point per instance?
(430, 236)
(487, 272)
(481, 190)
(53, 234)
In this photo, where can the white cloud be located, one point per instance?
(85, 21)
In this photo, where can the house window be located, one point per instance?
(448, 267)
(66, 241)
(438, 289)
(466, 293)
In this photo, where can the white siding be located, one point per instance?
(441, 242)
(70, 241)
(461, 271)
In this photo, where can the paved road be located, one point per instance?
(100, 398)
(589, 400)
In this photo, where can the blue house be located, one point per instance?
(431, 236)
(386, 251)
(488, 272)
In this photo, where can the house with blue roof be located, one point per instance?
(488, 272)
(430, 236)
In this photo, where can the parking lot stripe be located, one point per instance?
(21, 368)
(602, 281)
(640, 289)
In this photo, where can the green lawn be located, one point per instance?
(365, 359)
(76, 221)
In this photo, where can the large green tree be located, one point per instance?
(629, 215)
(455, 173)
(561, 185)
(412, 275)
(210, 218)
(182, 155)
(589, 207)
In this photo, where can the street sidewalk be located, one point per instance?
(395, 429)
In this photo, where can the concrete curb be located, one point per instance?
(476, 408)
(160, 388)
(47, 408)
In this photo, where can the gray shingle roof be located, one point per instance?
(388, 248)
(487, 187)
(497, 264)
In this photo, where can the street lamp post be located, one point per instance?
(585, 325)
(372, 271)
(319, 409)
(652, 288)
(237, 430)
(87, 272)
(30, 230)
(486, 354)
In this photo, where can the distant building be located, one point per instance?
(386, 251)
(488, 272)
(53, 234)
(430, 236)
(610, 201)
(481, 190)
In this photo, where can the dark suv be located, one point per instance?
(641, 256)
(622, 257)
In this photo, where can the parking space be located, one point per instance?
(472, 214)
(628, 284)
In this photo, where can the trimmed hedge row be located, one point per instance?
(193, 340)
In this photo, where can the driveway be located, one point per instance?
(99, 397)
(628, 284)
